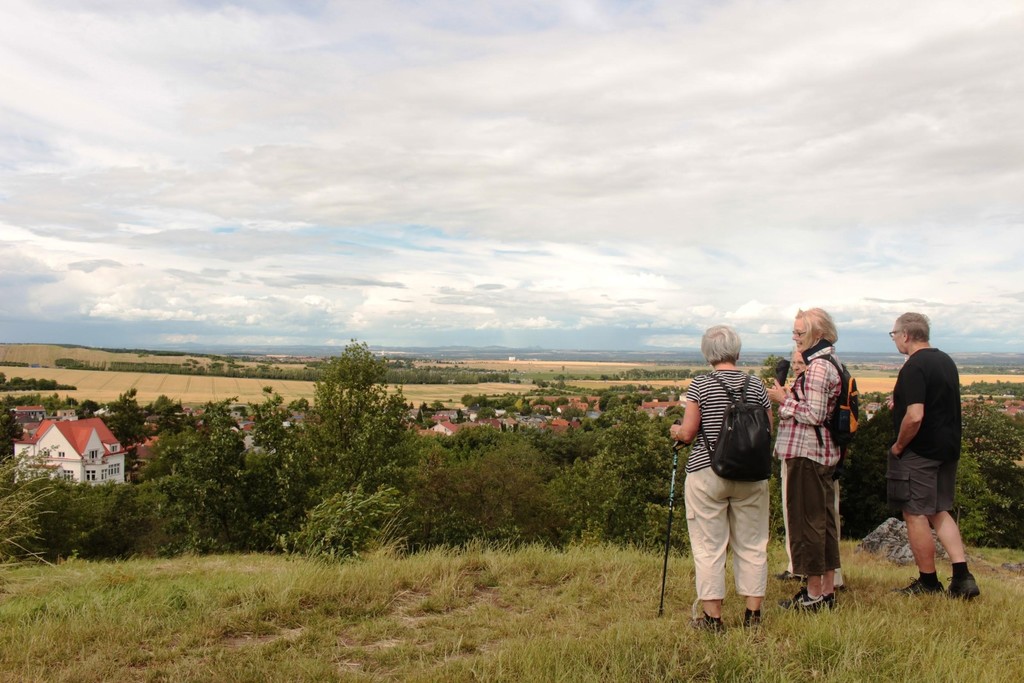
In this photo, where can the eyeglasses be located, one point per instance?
(798, 333)
(892, 335)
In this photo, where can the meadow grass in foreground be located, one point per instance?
(530, 614)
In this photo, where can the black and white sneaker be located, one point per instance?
(803, 602)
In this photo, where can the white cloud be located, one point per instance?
(626, 174)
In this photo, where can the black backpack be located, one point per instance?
(842, 423)
(743, 451)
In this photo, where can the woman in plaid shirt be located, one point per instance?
(811, 456)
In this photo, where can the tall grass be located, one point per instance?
(529, 614)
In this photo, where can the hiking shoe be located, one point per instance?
(965, 587)
(789, 576)
(707, 623)
(919, 587)
(751, 618)
(805, 603)
(800, 595)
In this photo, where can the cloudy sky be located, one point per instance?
(569, 174)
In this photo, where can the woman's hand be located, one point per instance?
(777, 393)
(676, 431)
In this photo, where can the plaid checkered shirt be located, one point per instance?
(809, 405)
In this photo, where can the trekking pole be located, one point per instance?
(668, 534)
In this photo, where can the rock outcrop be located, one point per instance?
(890, 540)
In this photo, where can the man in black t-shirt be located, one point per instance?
(921, 477)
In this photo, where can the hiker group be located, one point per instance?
(728, 422)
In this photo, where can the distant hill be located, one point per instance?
(46, 354)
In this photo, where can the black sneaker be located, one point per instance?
(805, 603)
(800, 595)
(965, 587)
(919, 587)
(751, 618)
(707, 623)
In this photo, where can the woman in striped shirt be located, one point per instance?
(722, 513)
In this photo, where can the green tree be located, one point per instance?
(299, 405)
(126, 419)
(356, 432)
(768, 368)
(109, 521)
(862, 497)
(499, 493)
(621, 493)
(87, 408)
(10, 431)
(996, 443)
(168, 413)
(277, 479)
(206, 503)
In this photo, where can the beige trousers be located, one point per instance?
(723, 514)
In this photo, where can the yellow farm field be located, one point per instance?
(189, 389)
(194, 390)
(575, 368)
(864, 384)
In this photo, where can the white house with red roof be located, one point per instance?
(80, 450)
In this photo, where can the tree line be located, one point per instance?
(32, 384)
(354, 475)
(395, 373)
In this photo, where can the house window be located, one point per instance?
(115, 468)
(94, 454)
(66, 475)
(60, 454)
(90, 475)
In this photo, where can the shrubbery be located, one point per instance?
(304, 488)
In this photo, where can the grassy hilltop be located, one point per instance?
(532, 614)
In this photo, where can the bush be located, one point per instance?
(99, 522)
(346, 524)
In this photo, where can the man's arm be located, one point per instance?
(909, 428)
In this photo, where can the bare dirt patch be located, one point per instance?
(247, 639)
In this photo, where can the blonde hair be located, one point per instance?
(819, 324)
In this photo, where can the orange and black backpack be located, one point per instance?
(842, 424)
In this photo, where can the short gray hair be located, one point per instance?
(916, 325)
(720, 344)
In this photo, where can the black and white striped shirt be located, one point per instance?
(706, 393)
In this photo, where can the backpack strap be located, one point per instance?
(830, 358)
(729, 393)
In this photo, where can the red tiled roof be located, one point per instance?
(77, 432)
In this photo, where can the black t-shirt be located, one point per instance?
(930, 377)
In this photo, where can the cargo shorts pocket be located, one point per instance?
(897, 483)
